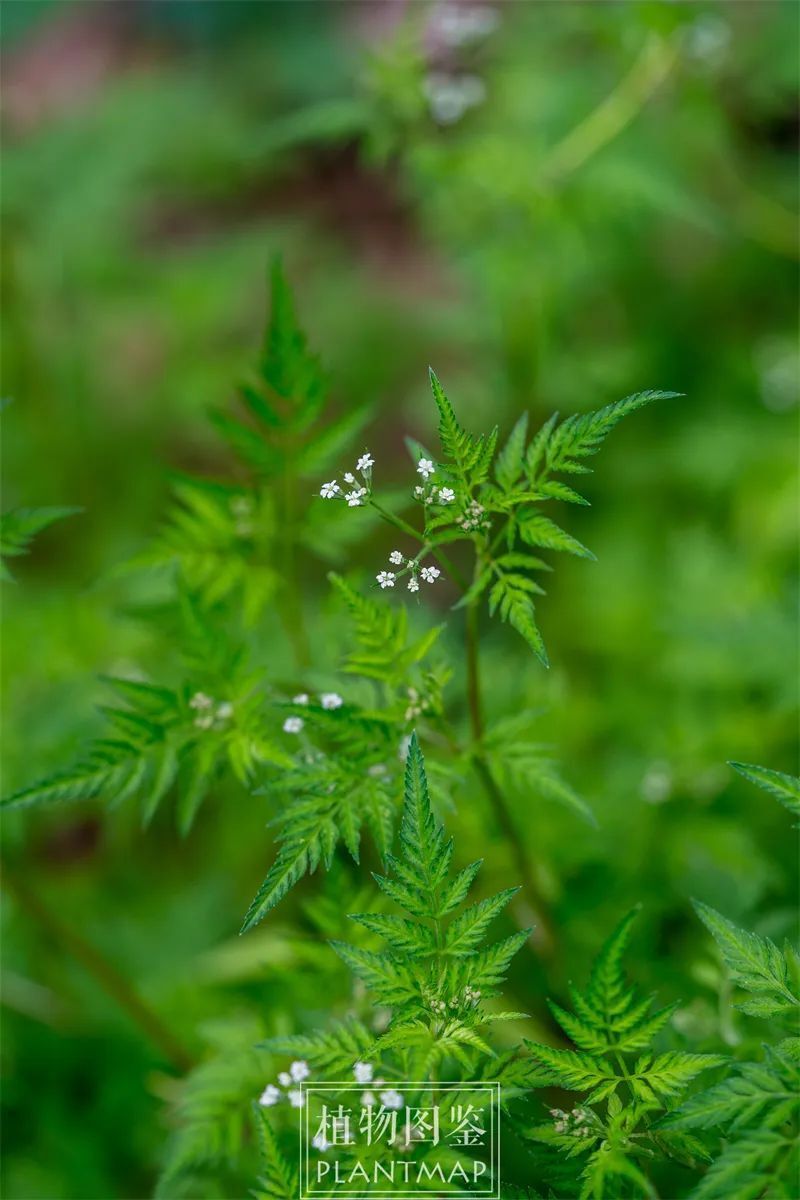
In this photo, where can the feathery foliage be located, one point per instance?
(625, 1080)
(434, 972)
(756, 1109)
(19, 526)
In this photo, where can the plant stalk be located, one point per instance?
(502, 813)
(109, 977)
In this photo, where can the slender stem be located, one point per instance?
(110, 978)
(495, 795)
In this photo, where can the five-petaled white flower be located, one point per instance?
(299, 1070)
(386, 578)
(446, 495)
(362, 1072)
(365, 463)
(329, 490)
(430, 574)
(300, 698)
(354, 498)
(284, 1079)
(296, 1098)
(425, 468)
(331, 700)
(349, 477)
(413, 584)
(396, 558)
(391, 1099)
(270, 1095)
(293, 724)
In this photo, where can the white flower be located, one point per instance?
(293, 724)
(413, 584)
(331, 700)
(354, 498)
(419, 491)
(396, 558)
(321, 1142)
(296, 1098)
(349, 477)
(385, 578)
(368, 1099)
(270, 1095)
(446, 495)
(200, 701)
(365, 463)
(225, 711)
(430, 574)
(299, 1071)
(329, 490)
(391, 1099)
(204, 722)
(362, 1072)
(376, 770)
(300, 698)
(285, 1079)
(425, 468)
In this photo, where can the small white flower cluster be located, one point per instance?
(363, 1072)
(328, 700)
(473, 517)
(210, 714)
(298, 1071)
(242, 511)
(457, 24)
(434, 494)
(450, 96)
(471, 997)
(411, 567)
(416, 704)
(357, 493)
(576, 1122)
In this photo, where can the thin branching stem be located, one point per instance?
(107, 975)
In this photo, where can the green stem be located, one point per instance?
(502, 813)
(110, 979)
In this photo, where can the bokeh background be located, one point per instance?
(555, 204)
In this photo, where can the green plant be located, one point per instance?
(613, 1134)
(219, 548)
(756, 1108)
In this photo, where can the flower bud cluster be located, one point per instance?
(210, 713)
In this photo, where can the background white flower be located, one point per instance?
(293, 724)
(385, 578)
(391, 1099)
(362, 1072)
(299, 1071)
(284, 1079)
(300, 698)
(270, 1095)
(331, 700)
(296, 1098)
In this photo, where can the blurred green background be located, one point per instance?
(553, 204)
